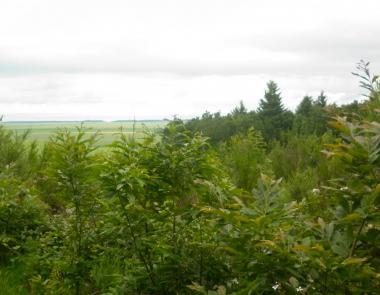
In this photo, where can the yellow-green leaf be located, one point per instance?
(353, 260)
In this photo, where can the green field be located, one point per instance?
(42, 131)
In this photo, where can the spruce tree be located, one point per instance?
(305, 107)
(321, 100)
(271, 104)
(274, 118)
(310, 116)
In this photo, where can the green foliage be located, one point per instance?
(244, 156)
(159, 186)
(273, 244)
(220, 128)
(21, 216)
(272, 115)
(72, 167)
(311, 116)
(299, 153)
(11, 281)
(305, 107)
(369, 82)
(368, 109)
(301, 183)
(16, 154)
(271, 119)
(356, 199)
(257, 240)
(359, 190)
(295, 212)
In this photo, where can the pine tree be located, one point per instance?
(310, 116)
(274, 118)
(305, 107)
(271, 104)
(321, 100)
(239, 110)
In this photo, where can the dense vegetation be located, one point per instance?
(254, 202)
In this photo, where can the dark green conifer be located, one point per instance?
(274, 118)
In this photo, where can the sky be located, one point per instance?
(149, 59)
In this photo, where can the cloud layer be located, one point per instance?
(154, 59)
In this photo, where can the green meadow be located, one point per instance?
(41, 131)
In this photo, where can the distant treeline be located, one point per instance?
(271, 118)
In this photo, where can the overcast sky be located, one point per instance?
(152, 59)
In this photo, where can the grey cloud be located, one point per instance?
(329, 50)
(315, 65)
(333, 47)
(41, 90)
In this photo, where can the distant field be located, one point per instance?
(41, 131)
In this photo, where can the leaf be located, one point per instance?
(321, 223)
(267, 243)
(240, 217)
(351, 217)
(339, 125)
(372, 235)
(198, 288)
(231, 250)
(301, 248)
(320, 263)
(377, 189)
(318, 247)
(330, 230)
(368, 202)
(340, 250)
(353, 261)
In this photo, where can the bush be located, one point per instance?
(22, 216)
(245, 158)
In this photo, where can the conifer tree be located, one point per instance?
(310, 116)
(274, 118)
(305, 107)
(271, 104)
(239, 110)
(321, 100)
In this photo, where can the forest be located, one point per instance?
(265, 201)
